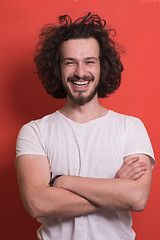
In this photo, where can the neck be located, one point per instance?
(84, 113)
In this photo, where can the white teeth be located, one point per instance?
(81, 83)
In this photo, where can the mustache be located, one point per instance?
(84, 78)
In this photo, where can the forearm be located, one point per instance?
(58, 202)
(114, 194)
(74, 196)
(41, 200)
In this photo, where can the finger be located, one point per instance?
(137, 170)
(130, 168)
(137, 165)
(124, 171)
(137, 175)
(125, 166)
(131, 161)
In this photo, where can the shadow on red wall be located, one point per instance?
(25, 100)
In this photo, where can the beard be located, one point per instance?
(80, 99)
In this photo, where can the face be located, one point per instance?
(80, 69)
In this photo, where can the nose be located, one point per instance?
(80, 70)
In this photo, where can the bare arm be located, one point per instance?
(132, 168)
(40, 200)
(114, 194)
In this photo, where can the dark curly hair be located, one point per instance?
(47, 56)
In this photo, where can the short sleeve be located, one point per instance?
(137, 140)
(29, 140)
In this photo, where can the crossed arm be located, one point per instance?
(73, 196)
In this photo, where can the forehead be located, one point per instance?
(80, 48)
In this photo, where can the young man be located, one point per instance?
(82, 169)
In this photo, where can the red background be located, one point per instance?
(22, 98)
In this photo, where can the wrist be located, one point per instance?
(51, 183)
(65, 182)
(60, 181)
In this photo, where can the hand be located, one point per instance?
(132, 169)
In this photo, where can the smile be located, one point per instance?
(80, 83)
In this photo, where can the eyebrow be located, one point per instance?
(86, 58)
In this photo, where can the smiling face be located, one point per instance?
(80, 69)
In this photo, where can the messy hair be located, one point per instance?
(47, 55)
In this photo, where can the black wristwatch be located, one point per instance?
(53, 180)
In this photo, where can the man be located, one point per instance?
(82, 169)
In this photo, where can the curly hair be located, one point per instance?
(47, 56)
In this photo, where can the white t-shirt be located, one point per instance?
(93, 149)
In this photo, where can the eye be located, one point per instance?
(69, 63)
(90, 62)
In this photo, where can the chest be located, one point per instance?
(85, 151)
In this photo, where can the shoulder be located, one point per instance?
(37, 130)
(40, 124)
(124, 119)
(32, 136)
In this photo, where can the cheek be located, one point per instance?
(65, 72)
(96, 73)
(95, 70)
